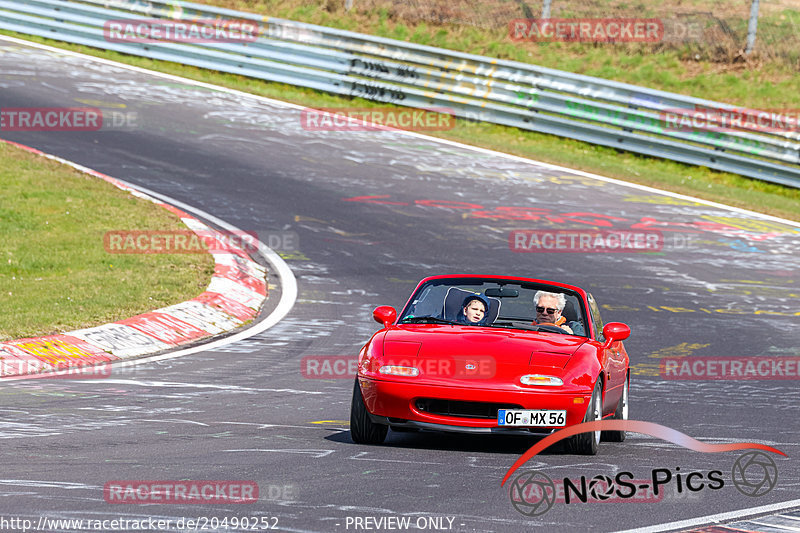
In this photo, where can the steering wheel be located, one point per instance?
(549, 327)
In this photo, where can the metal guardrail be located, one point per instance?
(589, 109)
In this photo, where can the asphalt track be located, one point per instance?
(246, 412)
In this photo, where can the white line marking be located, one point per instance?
(179, 385)
(316, 453)
(358, 457)
(176, 384)
(716, 518)
(776, 526)
(270, 426)
(404, 132)
(49, 484)
(174, 420)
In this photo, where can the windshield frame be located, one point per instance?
(530, 284)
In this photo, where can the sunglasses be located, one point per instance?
(550, 310)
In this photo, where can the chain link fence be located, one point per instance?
(705, 29)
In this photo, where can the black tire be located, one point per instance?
(362, 429)
(587, 443)
(620, 414)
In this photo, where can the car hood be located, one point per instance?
(507, 347)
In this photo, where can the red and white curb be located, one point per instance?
(235, 295)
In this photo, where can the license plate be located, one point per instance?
(525, 417)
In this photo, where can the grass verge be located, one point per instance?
(55, 274)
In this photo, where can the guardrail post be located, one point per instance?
(751, 27)
(546, 9)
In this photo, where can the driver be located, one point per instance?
(549, 306)
(473, 310)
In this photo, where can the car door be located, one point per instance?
(612, 360)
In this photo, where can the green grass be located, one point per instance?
(55, 274)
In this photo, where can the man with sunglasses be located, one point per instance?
(549, 306)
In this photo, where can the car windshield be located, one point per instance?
(511, 305)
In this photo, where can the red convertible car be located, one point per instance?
(492, 354)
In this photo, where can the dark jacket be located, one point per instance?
(462, 319)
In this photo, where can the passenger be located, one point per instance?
(473, 310)
(549, 306)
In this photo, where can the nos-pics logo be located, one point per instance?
(533, 492)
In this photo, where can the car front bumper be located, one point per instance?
(397, 403)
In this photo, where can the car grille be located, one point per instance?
(462, 409)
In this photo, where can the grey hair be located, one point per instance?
(559, 296)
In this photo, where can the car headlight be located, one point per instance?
(395, 370)
(541, 380)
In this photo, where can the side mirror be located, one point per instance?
(385, 315)
(615, 331)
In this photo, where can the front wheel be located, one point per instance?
(362, 429)
(620, 414)
(587, 443)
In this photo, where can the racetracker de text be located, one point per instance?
(107, 525)
(585, 241)
(194, 31)
(173, 491)
(50, 119)
(730, 368)
(587, 30)
(365, 119)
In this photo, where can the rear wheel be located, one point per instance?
(362, 429)
(620, 414)
(586, 443)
